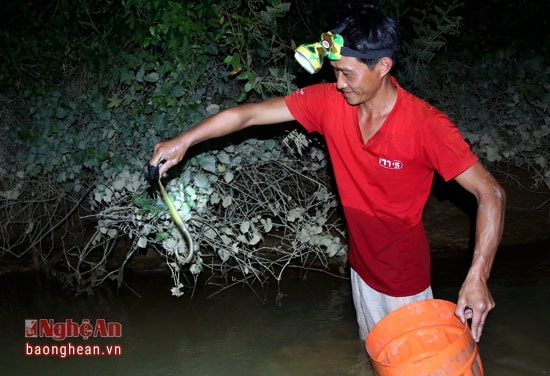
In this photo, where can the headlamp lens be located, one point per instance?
(310, 57)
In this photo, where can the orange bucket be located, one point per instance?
(424, 338)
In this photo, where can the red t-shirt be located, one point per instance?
(384, 184)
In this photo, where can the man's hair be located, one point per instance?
(368, 28)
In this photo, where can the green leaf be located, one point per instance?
(61, 113)
(208, 163)
(201, 181)
(152, 77)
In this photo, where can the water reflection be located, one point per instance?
(233, 333)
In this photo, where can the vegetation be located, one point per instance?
(88, 88)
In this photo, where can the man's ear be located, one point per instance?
(384, 65)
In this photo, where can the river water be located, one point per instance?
(313, 331)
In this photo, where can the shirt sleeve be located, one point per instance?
(307, 105)
(446, 149)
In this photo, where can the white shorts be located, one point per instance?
(371, 306)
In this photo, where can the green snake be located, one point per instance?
(182, 228)
(153, 174)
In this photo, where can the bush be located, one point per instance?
(91, 129)
(501, 105)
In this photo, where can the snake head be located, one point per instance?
(152, 173)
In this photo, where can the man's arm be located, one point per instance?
(474, 299)
(171, 152)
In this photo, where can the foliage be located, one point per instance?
(43, 42)
(517, 27)
(192, 53)
(502, 107)
(170, 75)
(83, 134)
(232, 200)
(431, 27)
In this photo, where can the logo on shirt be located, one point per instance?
(389, 164)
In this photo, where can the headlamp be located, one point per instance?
(311, 56)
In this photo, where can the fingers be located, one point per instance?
(477, 317)
(476, 332)
(463, 312)
(157, 155)
(165, 155)
(478, 321)
(165, 165)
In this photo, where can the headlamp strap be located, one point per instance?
(333, 43)
(331, 46)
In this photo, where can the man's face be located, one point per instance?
(355, 80)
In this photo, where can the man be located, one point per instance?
(385, 145)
